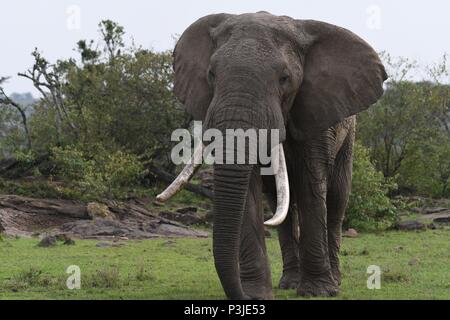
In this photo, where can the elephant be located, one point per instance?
(308, 80)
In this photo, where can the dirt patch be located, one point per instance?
(23, 216)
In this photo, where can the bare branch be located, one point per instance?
(7, 101)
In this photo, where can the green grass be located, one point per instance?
(414, 266)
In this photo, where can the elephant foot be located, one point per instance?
(257, 292)
(266, 296)
(289, 280)
(254, 296)
(317, 287)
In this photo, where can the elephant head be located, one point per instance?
(266, 72)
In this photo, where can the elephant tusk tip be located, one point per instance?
(271, 223)
(161, 198)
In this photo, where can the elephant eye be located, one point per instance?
(284, 79)
(211, 76)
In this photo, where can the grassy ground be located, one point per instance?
(414, 266)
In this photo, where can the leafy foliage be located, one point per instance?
(119, 98)
(100, 119)
(96, 172)
(408, 130)
(369, 208)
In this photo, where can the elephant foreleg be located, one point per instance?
(288, 239)
(337, 199)
(315, 269)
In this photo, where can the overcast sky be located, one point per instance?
(416, 29)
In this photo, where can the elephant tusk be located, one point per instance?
(282, 185)
(184, 176)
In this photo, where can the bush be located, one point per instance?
(97, 173)
(426, 170)
(36, 188)
(370, 208)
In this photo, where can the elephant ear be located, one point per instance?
(342, 76)
(191, 60)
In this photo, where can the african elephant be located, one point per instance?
(307, 79)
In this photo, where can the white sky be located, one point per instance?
(416, 29)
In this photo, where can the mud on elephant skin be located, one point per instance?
(307, 79)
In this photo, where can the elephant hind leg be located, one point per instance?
(253, 259)
(337, 199)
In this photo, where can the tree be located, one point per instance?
(5, 101)
(388, 126)
(103, 121)
(407, 130)
(116, 96)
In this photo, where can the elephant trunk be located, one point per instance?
(230, 187)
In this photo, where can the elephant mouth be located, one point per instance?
(281, 181)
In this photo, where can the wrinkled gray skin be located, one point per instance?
(308, 79)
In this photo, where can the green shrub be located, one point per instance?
(25, 158)
(96, 173)
(369, 208)
(426, 170)
(33, 188)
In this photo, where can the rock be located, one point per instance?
(350, 233)
(24, 216)
(187, 210)
(431, 226)
(172, 230)
(130, 229)
(98, 210)
(433, 210)
(442, 220)
(62, 219)
(414, 262)
(44, 207)
(184, 218)
(51, 240)
(410, 225)
(48, 241)
(102, 228)
(143, 201)
(69, 242)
